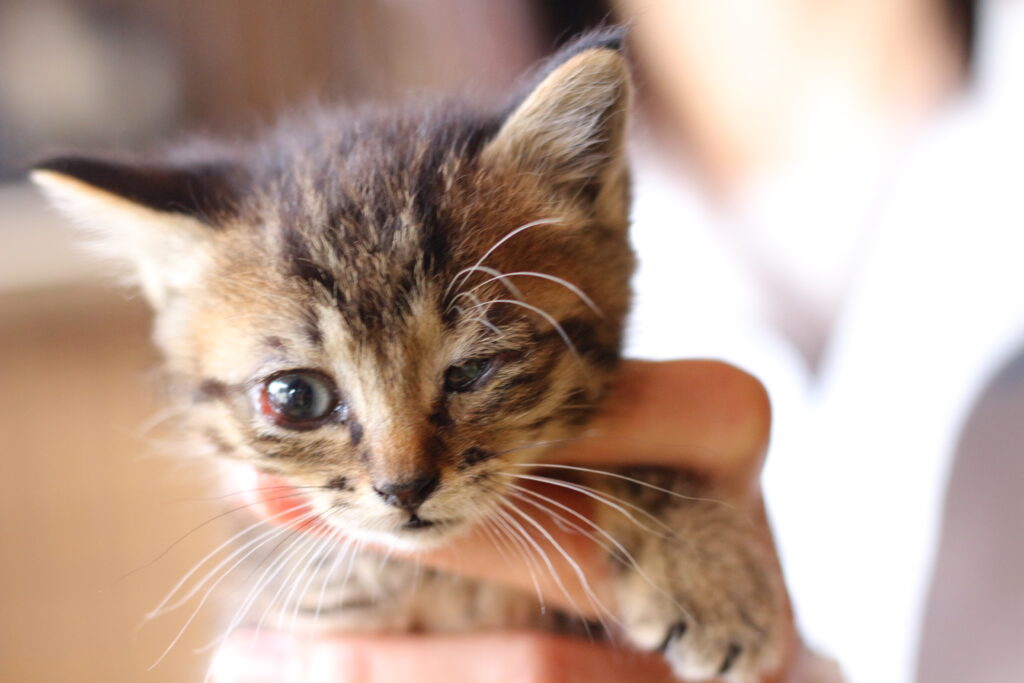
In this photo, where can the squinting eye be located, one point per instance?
(467, 375)
(298, 400)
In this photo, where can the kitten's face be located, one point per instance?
(392, 313)
(406, 396)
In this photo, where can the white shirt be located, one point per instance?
(928, 306)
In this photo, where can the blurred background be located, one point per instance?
(827, 194)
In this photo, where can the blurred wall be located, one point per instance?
(120, 73)
(89, 497)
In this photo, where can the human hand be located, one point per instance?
(696, 415)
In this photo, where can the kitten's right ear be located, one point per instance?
(158, 219)
(570, 129)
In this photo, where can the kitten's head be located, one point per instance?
(390, 310)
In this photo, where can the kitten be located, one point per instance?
(395, 313)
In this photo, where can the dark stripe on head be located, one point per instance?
(452, 146)
(449, 311)
(302, 265)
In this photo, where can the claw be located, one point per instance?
(730, 658)
(674, 633)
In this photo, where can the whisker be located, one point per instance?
(271, 571)
(580, 575)
(231, 494)
(351, 563)
(525, 535)
(164, 608)
(210, 521)
(311, 544)
(602, 497)
(319, 557)
(542, 313)
(522, 551)
(596, 435)
(513, 290)
(632, 480)
(158, 418)
(566, 524)
(623, 555)
(339, 556)
(462, 274)
(202, 603)
(483, 321)
(545, 443)
(257, 588)
(482, 316)
(501, 546)
(500, 277)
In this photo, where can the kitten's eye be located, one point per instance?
(298, 400)
(467, 375)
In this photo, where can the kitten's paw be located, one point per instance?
(714, 615)
(706, 650)
(696, 653)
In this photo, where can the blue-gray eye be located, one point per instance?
(467, 375)
(298, 400)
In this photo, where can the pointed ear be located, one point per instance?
(570, 129)
(159, 220)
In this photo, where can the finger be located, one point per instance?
(705, 416)
(512, 657)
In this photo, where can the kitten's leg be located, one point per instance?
(701, 585)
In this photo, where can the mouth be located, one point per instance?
(435, 528)
(415, 523)
(415, 529)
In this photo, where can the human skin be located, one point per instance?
(702, 416)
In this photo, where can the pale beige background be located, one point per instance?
(87, 498)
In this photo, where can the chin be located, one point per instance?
(409, 539)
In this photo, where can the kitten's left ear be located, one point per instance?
(159, 219)
(570, 129)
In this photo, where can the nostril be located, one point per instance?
(410, 494)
